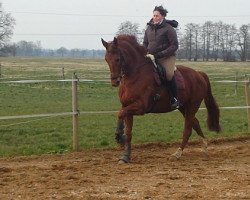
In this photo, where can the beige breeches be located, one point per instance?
(169, 65)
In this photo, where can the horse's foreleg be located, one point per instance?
(186, 134)
(126, 115)
(119, 133)
(125, 111)
(126, 156)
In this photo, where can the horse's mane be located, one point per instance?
(130, 43)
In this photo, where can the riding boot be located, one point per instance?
(175, 104)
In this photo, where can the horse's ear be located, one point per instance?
(104, 43)
(115, 42)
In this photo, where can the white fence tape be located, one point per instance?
(229, 108)
(230, 81)
(102, 80)
(92, 112)
(44, 81)
(37, 115)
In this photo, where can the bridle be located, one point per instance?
(122, 65)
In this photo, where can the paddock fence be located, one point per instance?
(76, 112)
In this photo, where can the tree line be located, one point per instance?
(215, 40)
(208, 41)
(29, 48)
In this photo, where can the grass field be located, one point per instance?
(54, 134)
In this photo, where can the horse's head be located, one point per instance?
(114, 59)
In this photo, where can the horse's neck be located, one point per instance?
(138, 72)
(135, 66)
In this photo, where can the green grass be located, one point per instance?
(54, 134)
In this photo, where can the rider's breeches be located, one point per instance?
(169, 65)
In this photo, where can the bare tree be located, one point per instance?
(207, 30)
(192, 32)
(217, 35)
(248, 45)
(28, 48)
(242, 39)
(189, 36)
(62, 51)
(196, 35)
(7, 23)
(128, 28)
(231, 43)
(12, 49)
(224, 40)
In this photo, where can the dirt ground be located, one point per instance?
(225, 174)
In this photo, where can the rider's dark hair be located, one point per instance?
(161, 10)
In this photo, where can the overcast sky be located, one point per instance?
(81, 23)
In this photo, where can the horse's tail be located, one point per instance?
(212, 108)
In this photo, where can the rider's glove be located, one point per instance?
(151, 56)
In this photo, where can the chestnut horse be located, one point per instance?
(140, 93)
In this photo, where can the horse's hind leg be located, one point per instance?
(186, 134)
(197, 128)
(190, 122)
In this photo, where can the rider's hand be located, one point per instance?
(151, 56)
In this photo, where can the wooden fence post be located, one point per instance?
(63, 73)
(236, 83)
(75, 113)
(247, 93)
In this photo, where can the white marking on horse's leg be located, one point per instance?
(176, 155)
(204, 145)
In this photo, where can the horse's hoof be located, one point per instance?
(124, 159)
(204, 151)
(173, 158)
(120, 162)
(120, 145)
(205, 154)
(176, 156)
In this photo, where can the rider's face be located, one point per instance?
(157, 17)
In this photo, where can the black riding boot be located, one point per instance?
(175, 104)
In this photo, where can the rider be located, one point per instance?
(161, 42)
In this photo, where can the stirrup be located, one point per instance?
(175, 104)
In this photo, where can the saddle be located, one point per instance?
(160, 77)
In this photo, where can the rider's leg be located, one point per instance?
(169, 65)
(173, 87)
